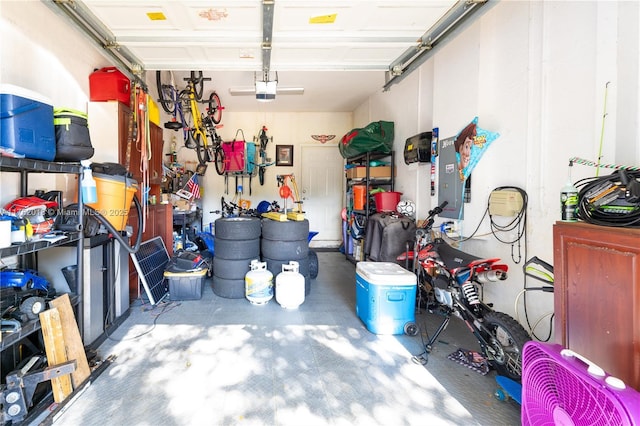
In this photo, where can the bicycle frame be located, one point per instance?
(197, 127)
(204, 126)
(169, 100)
(264, 161)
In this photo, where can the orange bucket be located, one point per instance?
(359, 197)
(115, 194)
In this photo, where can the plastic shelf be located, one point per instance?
(11, 164)
(27, 329)
(33, 246)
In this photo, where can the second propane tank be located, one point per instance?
(290, 286)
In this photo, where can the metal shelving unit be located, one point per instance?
(365, 160)
(26, 166)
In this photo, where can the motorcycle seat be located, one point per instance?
(451, 256)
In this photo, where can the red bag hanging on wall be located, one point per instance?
(234, 154)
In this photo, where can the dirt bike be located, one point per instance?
(448, 284)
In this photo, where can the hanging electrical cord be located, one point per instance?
(517, 224)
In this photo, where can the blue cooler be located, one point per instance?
(386, 297)
(26, 123)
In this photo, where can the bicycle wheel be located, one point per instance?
(201, 149)
(166, 91)
(219, 160)
(261, 171)
(198, 84)
(215, 108)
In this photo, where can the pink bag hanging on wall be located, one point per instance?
(234, 154)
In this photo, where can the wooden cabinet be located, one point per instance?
(597, 295)
(109, 124)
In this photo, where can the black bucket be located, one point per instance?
(70, 274)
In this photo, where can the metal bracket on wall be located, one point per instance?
(416, 55)
(80, 16)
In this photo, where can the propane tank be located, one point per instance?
(258, 283)
(290, 286)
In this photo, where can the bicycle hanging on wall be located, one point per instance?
(263, 139)
(199, 129)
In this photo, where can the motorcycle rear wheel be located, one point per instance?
(507, 340)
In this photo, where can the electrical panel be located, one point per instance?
(505, 202)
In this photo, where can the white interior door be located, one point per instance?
(322, 192)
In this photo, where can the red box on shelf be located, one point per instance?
(109, 84)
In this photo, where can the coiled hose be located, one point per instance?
(626, 214)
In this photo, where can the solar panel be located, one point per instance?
(151, 260)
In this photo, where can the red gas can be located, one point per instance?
(109, 84)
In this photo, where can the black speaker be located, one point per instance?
(417, 149)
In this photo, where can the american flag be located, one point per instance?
(193, 187)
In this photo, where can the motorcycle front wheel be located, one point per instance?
(506, 342)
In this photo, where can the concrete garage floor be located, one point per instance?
(219, 361)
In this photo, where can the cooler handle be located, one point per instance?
(17, 111)
(395, 297)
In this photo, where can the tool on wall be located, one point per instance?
(285, 192)
(434, 156)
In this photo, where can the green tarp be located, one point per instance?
(375, 137)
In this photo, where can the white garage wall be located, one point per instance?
(536, 73)
(286, 129)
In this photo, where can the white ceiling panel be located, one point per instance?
(354, 41)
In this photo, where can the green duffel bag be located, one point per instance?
(375, 137)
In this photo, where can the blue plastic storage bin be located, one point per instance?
(26, 123)
(385, 297)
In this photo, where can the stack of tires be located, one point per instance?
(237, 243)
(285, 241)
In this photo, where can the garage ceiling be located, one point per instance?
(340, 52)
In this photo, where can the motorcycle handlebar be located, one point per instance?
(432, 214)
(438, 209)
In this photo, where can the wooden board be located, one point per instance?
(279, 217)
(72, 340)
(295, 216)
(56, 354)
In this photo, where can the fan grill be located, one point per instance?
(553, 394)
